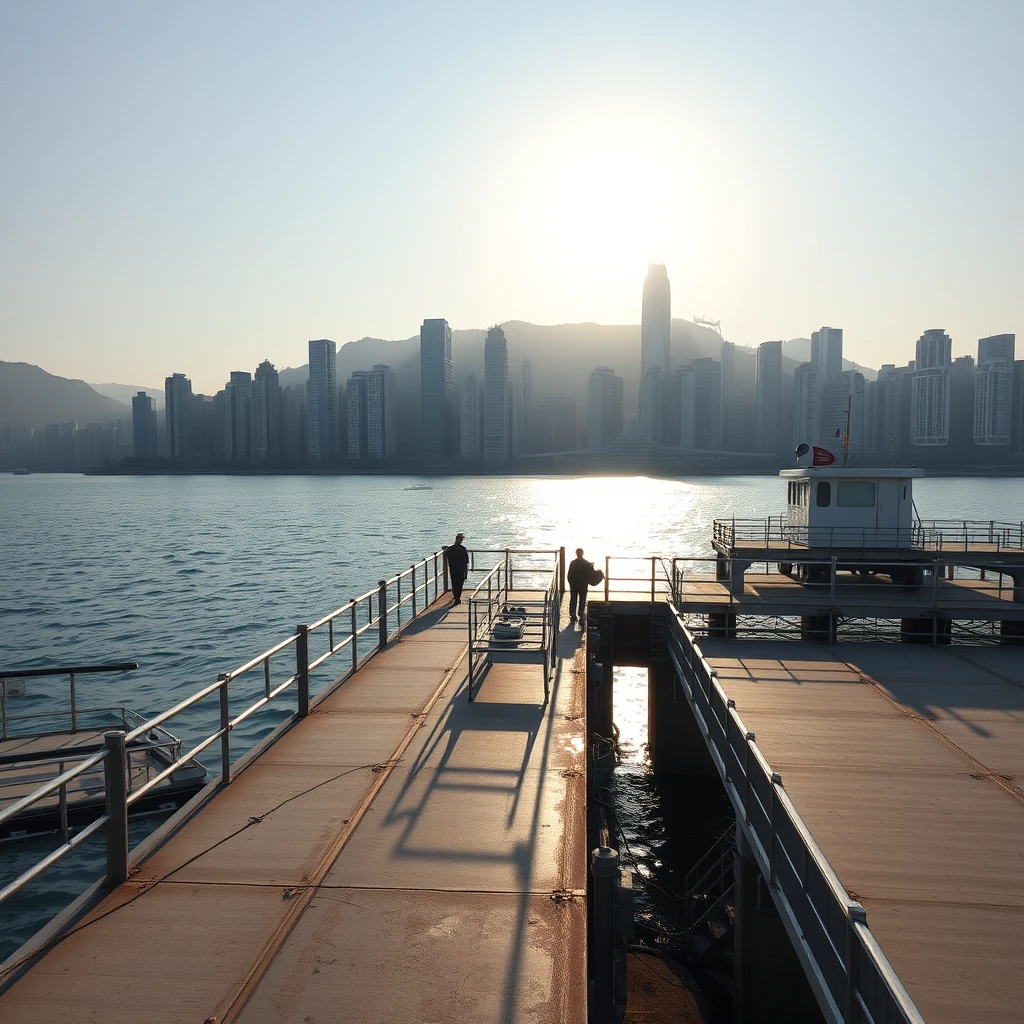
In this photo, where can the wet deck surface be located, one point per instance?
(401, 854)
(907, 764)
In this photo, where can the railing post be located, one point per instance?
(857, 914)
(225, 731)
(63, 805)
(435, 576)
(561, 569)
(115, 772)
(653, 569)
(414, 591)
(382, 613)
(355, 639)
(607, 573)
(3, 709)
(302, 668)
(74, 705)
(444, 571)
(776, 780)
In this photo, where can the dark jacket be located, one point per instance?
(458, 560)
(579, 573)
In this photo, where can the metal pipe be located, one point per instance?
(302, 668)
(414, 591)
(63, 805)
(225, 738)
(74, 706)
(607, 574)
(382, 614)
(115, 771)
(355, 640)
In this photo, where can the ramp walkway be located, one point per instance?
(907, 766)
(399, 854)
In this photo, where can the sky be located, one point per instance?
(194, 187)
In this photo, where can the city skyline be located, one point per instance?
(235, 188)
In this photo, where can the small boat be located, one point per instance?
(21, 471)
(41, 742)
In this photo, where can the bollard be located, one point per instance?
(382, 613)
(302, 668)
(115, 773)
(604, 867)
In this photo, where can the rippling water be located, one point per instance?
(191, 576)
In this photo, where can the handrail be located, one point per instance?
(844, 984)
(78, 670)
(371, 610)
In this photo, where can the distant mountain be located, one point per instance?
(124, 393)
(799, 350)
(31, 397)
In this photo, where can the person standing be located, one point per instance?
(578, 576)
(458, 566)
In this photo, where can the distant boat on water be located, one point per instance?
(21, 471)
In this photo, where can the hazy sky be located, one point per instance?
(197, 186)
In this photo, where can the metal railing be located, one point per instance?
(382, 613)
(926, 535)
(7, 677)
(533, 585)
(648, 577)
(852, 978)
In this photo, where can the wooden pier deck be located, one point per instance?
(907, 765)
(401, 854)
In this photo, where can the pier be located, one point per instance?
(421, 839)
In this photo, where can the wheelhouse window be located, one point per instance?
(823, 494)
(855, 494)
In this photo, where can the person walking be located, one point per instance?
(578, 576)
(458, 566)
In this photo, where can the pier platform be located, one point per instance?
(400, 854)
(907, 765)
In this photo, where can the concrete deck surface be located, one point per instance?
(401, 854)
(907, 765)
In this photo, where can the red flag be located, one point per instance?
(822, 457)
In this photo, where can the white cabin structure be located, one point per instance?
(835, 507)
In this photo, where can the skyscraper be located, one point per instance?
(604, 408)
(993, 390)
(552, 425)
(806, 397)
(739, 376)
(266, 414)
(701, 400)
(143, 426)
(768, 398)
(381, 413)
(497, 447)
(437, 390)
(239, 389)
(655, 352)
(177, 401)
(358, 415)
(827, 357)
(321, 402)
(932, 382)
(472, 420)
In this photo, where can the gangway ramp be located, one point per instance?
(399, 854)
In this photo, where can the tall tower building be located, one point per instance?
(701, 399)
(739, 377)
(827, 357)
(143, 426)
(497, 447)
(437, 390)
(357, 394)
(806, 395)
(768, 398)
(655, 352)
(321, 402)
(604, 408)
(1017, 415)
(993, 390)
(239, 389)
(472, 420)
(381, 413)
(932, 388)
(177, 402)
(267, 440)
